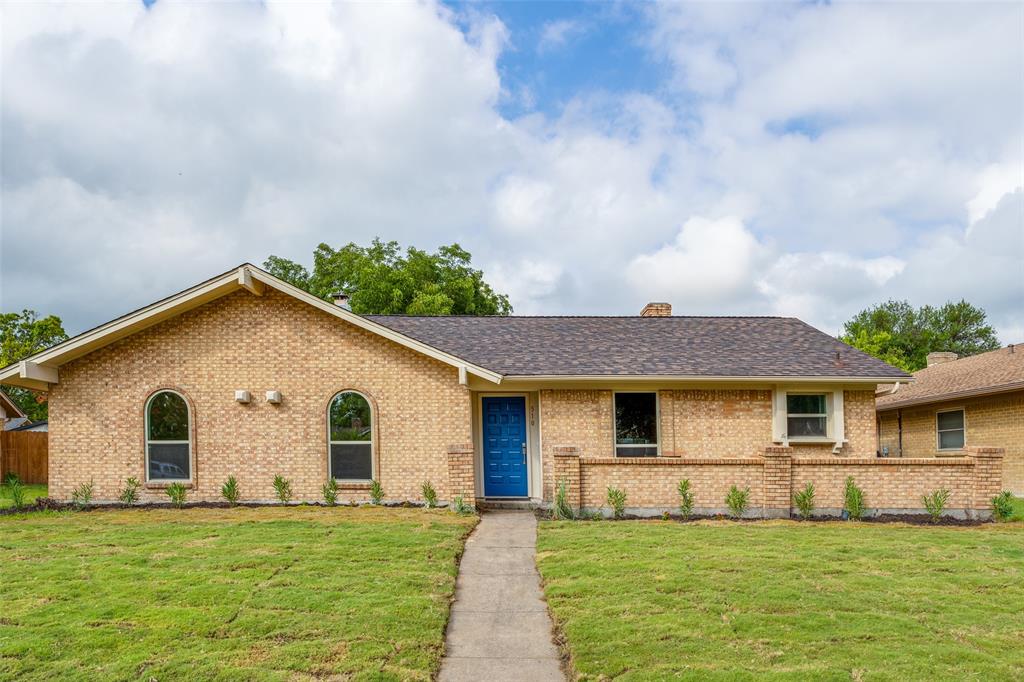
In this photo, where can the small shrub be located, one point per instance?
(130, 492)
(177, 492)
(685, 498)
(10, 477)
(803, 500)
(376, 492)
(562, 510)
(617, 501)
(330, 491)
(1002, 506)
(82, 495)
(935, 503)
(283, 489)
(459, 506)
(429, 494)
(17, 492)
(665, 516)
(853, 500)
(737, 500)
(229, 491)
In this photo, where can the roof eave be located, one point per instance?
(954, 395)
(704, 377)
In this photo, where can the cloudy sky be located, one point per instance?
(733, 158)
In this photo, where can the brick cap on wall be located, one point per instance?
(460, 449)
(985, 451)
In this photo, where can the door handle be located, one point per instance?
(524, 453)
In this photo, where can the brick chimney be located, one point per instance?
(657, 310)
(939, 358)
(341, 299)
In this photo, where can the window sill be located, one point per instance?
(353, 485)
(813, 441)
(160, 485)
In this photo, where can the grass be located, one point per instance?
(227, 594)
(786, 600)
(32, 491)
(1018, 509)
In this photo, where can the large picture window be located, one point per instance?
(636, 424)
(350, 424)
(168, 438)
(806, 415)
(950, 431)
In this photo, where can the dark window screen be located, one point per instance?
(351, 461)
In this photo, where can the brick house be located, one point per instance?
(954, 403)
(244, 375)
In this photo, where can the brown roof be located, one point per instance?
(996, 371)
(642, 346)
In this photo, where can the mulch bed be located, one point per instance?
(912, 519)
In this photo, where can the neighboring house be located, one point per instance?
(245, 375)
(11, 415)
(953, 403)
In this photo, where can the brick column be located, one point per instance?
(778, 481)
(988, 476)
(461, 480)
(567, 468)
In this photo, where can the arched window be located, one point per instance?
(168, 438)
(350, 435)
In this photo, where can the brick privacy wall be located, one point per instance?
(996, 421)
(775, 476)
(567, 468)
(242, 341)
(651, 481)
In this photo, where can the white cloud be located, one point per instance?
(818, 158)
(556, 34)
(710, 262)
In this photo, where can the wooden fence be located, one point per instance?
(24, 453)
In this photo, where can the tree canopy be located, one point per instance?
(21, 335)
(903, 336)
(380, 279)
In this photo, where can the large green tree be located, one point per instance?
(381, 279)
(21, 335)
(902, 335)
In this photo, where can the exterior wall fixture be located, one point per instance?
(274, 397)
(242, 396)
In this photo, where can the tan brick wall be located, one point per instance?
(996, 421)
(580, 418)
(461, 480)
(726, 423)
(889, 484)
(651, 482)
(255, 343)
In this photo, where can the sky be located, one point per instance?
(806, 160)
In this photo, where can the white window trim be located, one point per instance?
(372, 442)
(835, 422)
(940, 431)
(148, 441)
(657, 426)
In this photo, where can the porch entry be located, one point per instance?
(504, 445)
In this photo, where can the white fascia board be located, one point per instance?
(373, 327)
(246, 281)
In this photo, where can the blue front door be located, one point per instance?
(504, 447)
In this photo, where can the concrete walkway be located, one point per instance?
(499, 627)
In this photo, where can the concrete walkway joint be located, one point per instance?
(499, 627)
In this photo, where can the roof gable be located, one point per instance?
(41, 370)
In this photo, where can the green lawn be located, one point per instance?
(1018, 509)
(227, 594)
(783, 600)
(31, 493)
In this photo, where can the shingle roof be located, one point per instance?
(996, 371)
(642, 346)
